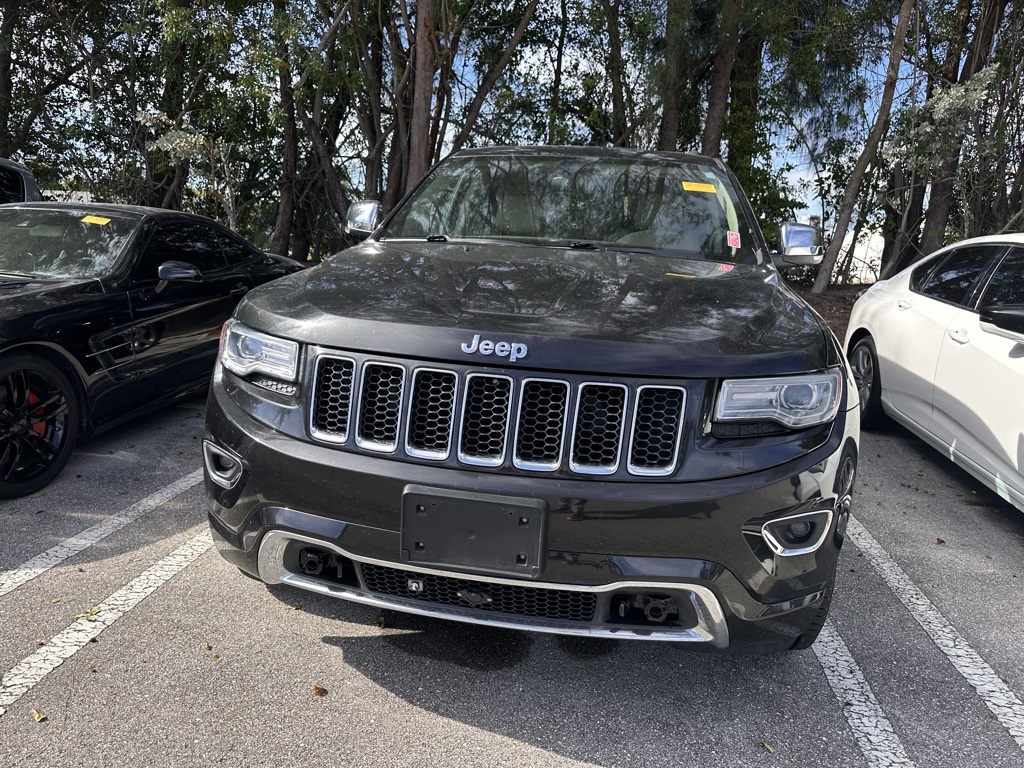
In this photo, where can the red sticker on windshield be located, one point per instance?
(733, 238)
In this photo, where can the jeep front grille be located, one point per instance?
(465, 417)
(332, 399)
(380, 406)
(431, 410)
(485, 416)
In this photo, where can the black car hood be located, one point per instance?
(576, 310)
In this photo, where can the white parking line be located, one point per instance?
(872, 730)
(1001, 701)
(31, 670)
(16, 577)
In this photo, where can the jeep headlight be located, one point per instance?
(793, 401)
(245, 351)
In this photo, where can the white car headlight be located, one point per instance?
(793, 401)
(246, 351)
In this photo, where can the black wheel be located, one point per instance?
(38, 424)
(809, 635)
(864, 362)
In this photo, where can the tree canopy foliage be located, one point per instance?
(902, 118)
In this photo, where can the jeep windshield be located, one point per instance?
(646, 204)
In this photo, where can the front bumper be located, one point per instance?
(697, 546)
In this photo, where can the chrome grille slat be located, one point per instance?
(486, 408)
(540, 424)
(432, 398)
(380, 406)
(480, 419)
(657, 424)
(332, 398)
(598, 428)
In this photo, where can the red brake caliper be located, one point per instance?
(39, 428)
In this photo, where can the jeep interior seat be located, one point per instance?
(515, 212)
(661, 221)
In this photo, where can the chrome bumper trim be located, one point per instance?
(711, 627)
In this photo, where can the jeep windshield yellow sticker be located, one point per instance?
(699, 186)
(95, 220)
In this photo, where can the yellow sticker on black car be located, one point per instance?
(95, 220)
(699, 186)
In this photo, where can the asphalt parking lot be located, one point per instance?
(126, 640)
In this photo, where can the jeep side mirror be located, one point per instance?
(362, 218)
(801, 245)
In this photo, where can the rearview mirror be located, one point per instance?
(801, 245)
(362, 218)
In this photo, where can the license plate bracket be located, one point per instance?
(473, 531)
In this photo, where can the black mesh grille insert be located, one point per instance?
(332, 400)
(598, 430)
(541, 424)
(485, 419)
(747, 429)
(659, 412)
(380, 404)
(432, 404)
(483, 596)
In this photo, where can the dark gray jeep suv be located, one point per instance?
(558, 389)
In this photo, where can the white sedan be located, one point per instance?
(939, 348)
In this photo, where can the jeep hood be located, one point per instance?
(576, 310)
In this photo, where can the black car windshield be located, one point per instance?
(644, 203)
(58, 243)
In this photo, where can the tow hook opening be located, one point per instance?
(323, 564)
(312, 561)
(649, 609)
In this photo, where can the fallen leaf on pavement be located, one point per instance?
(38, 716)
(380, 622)
(940, 541)
(767, 746)
(319, 690)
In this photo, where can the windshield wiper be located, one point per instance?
(437, 239)
(583, 245)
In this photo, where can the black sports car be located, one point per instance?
(106, 311)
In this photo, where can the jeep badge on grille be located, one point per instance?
(512, 350)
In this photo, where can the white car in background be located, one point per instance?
(939, 348)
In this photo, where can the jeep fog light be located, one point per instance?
(793, 401)
(245, 351)
(797, 534)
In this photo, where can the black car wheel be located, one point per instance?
(38, 424)
(864, 362)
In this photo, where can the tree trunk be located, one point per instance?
(492, 77)
(281, 238)
(554, 106)
(10, 11)
(744, 140)
(420, 150)
(721, 73)
(616, 70)
(853, 184)
(943, 187)
(678, 12)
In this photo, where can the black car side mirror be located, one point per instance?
(177, 272)
(1004, 321)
